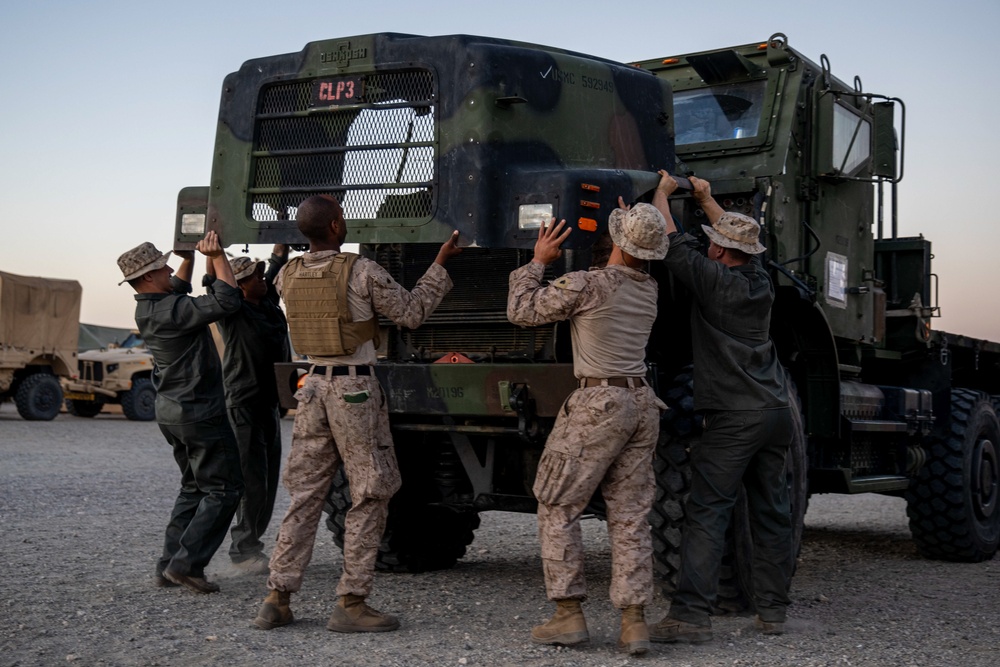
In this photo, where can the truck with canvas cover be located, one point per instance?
(39, 329)
(419, 135)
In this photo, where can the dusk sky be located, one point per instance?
(109, 108)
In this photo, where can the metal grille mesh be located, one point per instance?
(377, 156)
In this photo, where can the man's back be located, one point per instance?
(188, 374)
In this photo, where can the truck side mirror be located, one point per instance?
(884, 147)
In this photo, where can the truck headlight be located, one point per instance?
(533, 216)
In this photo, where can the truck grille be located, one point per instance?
(91, 371)
(376, 156)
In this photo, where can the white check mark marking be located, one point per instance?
(546, 72)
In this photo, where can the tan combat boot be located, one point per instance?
(275, 611)
(352, 615)
(566, 627)
(634, 638)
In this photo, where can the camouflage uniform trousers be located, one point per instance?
(604, 436)
(336, 425)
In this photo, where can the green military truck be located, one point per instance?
(39, 330)
(420, 135)
(119, 374)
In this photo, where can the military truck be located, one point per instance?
(419, 135)
(39, 329)
(119, 374)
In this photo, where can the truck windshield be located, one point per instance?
(719, 113)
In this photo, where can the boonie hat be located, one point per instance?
(735, 230)
(641, 231)
(140, 260)
(243, 267)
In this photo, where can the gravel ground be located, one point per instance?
(83, 503)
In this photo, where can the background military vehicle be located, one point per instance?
(39, 328)
(120, 374)
(419, 135)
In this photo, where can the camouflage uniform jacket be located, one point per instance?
(608, 308)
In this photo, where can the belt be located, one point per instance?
(330, 371)
(623, 382)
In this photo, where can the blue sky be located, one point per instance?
(109, 107)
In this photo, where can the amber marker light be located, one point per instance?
(589, 204)
(762, 47)
(589, 187)
(587, 224)
(671, 61)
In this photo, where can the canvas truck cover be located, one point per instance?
(41, 314)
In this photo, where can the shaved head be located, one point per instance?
(315, 214)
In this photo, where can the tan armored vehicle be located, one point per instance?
(119, 374)
(39, 329)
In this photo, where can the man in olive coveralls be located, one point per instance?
(342, 418)
(256, 338)
(190, 406)
(606, 432)
(740, 388)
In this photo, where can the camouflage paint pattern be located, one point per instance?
(420, 135)
(603, 438)
(331, 430)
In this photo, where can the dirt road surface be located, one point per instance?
(83, 505)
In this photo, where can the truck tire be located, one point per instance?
(418, 537)
(954, 503)
(39, 397)
(672, 467)
(80, 408)
(139, 402)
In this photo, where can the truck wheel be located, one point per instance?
(418, 537)
(39, 397)
(954, 503)
(673, 484)
(139, 402)
(80, 408)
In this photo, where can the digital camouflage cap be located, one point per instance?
(641, 231)
(140, 260)
(244, 267)
(735, 230)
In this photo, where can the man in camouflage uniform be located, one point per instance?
(341, 420)
(255, 338)
(190, 406)
(606, 432)
(739, 386)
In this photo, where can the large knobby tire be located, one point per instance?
(79, 408)
(672, 466)
(420, 535)
(139, 402)
(954, 503)
(39, 397)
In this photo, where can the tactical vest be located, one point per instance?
(319, 319)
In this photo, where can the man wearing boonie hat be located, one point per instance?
(190, 407)
(606, 432)
(255, 338)
(739, 387)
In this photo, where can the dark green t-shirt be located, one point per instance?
(187, 374)
(256, 338)
(735, 362)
